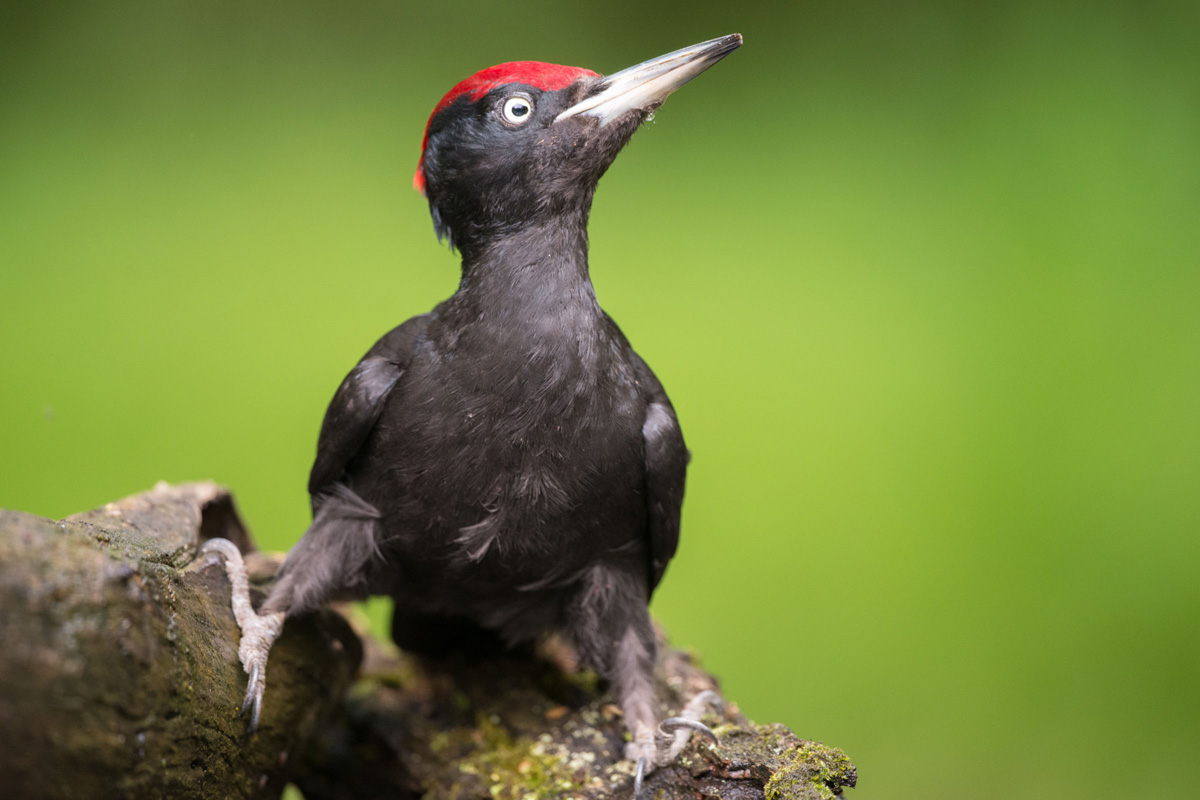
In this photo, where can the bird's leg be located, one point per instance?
(612, 631)
(652, 745)
(259, 632)
(651, 750)
(329, 561)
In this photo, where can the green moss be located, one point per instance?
(812, 771)
(587, 680)
(520, 769)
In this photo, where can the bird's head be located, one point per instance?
(522, 141)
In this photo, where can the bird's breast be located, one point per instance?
(523, 459)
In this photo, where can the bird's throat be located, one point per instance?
(535, 275)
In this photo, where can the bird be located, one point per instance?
(506, 466)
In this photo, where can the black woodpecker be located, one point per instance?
(506, 465)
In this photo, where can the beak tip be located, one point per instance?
(731, 42)
(726, 44)
(645, 86)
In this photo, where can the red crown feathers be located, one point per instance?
(539, 75)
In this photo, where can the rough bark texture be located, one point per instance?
(119, 677)
(119, 674)
(513, 727)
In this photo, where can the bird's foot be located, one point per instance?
(257, 637)
(681, 728)
(650, 750)
(259, 632)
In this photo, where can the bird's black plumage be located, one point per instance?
(507, 463)
(515, 452)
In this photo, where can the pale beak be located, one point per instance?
(646, 86)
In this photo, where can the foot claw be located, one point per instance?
(255, 712)
(673, 724)
(695, 707)
(251, 682)
(258, 631)
(252, 701)
(639, 778)
(676, 732)
(257, 638)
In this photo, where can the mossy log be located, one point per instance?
(119, 674)
(119, 677)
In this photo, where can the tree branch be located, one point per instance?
(119, 677)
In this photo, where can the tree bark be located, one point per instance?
(119, 677)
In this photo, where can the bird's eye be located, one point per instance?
(517, 110)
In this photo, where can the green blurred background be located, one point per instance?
(923, 280)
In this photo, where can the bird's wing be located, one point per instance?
(359, 401)
(666, 467)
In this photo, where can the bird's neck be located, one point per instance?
(540, 270)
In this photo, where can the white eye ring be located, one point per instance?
(517, 110)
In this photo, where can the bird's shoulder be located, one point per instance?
(648, 386)
(360, 399)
